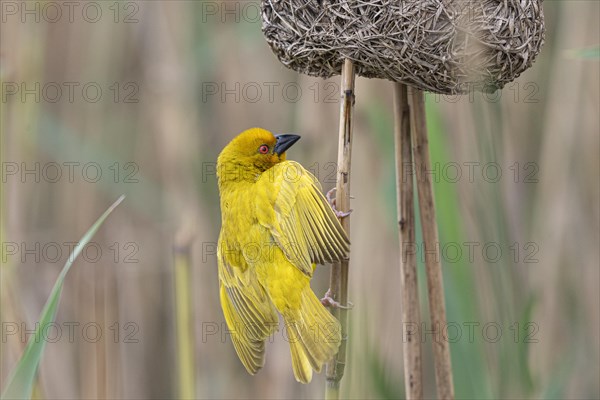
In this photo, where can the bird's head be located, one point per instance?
(252, 152)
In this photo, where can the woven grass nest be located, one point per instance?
(443, 46)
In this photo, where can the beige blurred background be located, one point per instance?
(138, 98)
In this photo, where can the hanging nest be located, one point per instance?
(443, 46)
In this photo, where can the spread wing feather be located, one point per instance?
(301, 221)
(249, 313)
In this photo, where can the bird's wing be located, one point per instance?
(290, 204)
(249, 313)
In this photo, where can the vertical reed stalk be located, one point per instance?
(185, 336)
(339, 271)
(100, 347)
(411, 316)
(437, 307)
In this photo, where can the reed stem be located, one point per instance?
(411, 316)
(185, 336)
(437, 307)
(339, 271)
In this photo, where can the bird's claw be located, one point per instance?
(328, 301)
(331, 199)
(342, 214)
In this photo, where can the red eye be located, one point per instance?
(264, 149)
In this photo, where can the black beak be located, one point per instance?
(284, 142)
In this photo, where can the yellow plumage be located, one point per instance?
(276, 224)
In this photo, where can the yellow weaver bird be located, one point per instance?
(276, 225)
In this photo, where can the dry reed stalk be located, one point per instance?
(185, 334)
(339, 271)
(437, 307)
(413, 380)
(100, 347)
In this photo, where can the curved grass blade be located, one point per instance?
(20, 383)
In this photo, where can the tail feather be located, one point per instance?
(314, 336)
(300, 362)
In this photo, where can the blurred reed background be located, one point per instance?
(179, 79)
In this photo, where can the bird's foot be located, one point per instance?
(330, 196)
(328, 301)
(331, 199)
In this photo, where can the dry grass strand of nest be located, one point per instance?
(443, 46)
